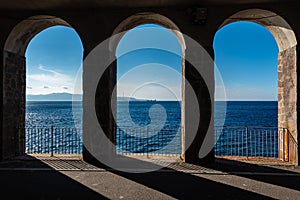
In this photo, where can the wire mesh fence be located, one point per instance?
(129, 140)
(149, 140)
(247, 141)
(229, 141)
(53, 140)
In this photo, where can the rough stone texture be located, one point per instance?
(13, 105)
(287, 97)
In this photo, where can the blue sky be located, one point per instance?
(246, 56)
(53, 59)
(149, 62)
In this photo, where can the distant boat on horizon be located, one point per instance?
(151, 100)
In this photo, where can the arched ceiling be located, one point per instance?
(55, 4)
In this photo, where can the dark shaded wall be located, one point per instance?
(13, 104)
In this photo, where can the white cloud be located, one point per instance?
(50, 81)
(52, 77)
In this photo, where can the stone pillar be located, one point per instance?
(103, 101)
(287, 102)
(203, 89)
(298, 103)
(1, 116)
(104, 107)
(113, 100)
(14, 83)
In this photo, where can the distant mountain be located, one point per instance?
(70, 97)
(131, 99)
(126, 99)
(54, 97)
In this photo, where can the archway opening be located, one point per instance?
(149, 93)
(53, 97)
(246, 56)
(276, 44)
(44, 134)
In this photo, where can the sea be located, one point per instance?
(159, 120)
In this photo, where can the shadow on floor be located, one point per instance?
(280, 178)
(51, 184)
(42, 184)
(187, 186)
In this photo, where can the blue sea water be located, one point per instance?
(247, 113)
(139, 113)
(68, 115)
(56, 113)
(238, 113)
(160, 122)
(53, 126)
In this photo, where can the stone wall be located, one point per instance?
(205, 102)
(13, 105)
(287, 96)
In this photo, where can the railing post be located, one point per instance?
(246, 142)
(147, 151)
(286, 145)
(182, 157)
(52, 140)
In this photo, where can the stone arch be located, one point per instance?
(280, 29)
(14, 80)
(144, 18)
(158, 19)
(287, 72)
(22, 33)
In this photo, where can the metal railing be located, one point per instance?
(129, 141)
(247, 141)
(53, 140)
(229, 141)
(289, 147)
(149, 141)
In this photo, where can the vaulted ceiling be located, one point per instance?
(55, 4)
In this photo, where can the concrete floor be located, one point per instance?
(58, 178)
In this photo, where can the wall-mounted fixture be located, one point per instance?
(198, 14)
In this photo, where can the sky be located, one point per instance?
(149, 62)
(53, 60)
(246, 56)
